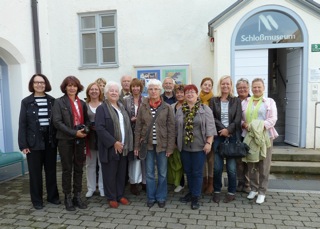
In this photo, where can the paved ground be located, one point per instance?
(282, 209)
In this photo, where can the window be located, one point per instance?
(98, 40)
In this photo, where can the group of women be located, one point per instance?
(113, 131)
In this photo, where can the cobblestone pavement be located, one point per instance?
(282, 209)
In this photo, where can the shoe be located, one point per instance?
(246, 190)
(178, 188)
(161, 204)
(209, 188)
(150, 204)
(89, 194)
(38, 206)
(216, 197)
(102, 193)
(68, 203)
(260, 199)
(195, 203)
(229, 197)
(77, 201)
(55, 202)
(134, 189)
(113, 204)
(252, 195)
(186, 198)
(124, 201)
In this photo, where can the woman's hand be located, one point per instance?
(168, 154)
(245, 125)
(26, 151)
(224, 133)
(118, 146)
(207, 148)
(133, 119)
(81, 134)
(136, 152)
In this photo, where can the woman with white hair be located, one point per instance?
(114, 142)
(161, 141)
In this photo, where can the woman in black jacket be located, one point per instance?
(37, 140)
(70, 117)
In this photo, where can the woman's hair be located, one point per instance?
(206, 79)
(190, 87)
(178, 87)
(47, 83)
(88, 89)
(101, 80)
(155, 82)
(136, 82)
(71, 80)
(258, 80)
(242, 80)
(111, 84)
(219, 85)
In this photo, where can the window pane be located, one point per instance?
(109, 55)
(88, 22)
(107, 21)
(89, 48)
(108, 39)
(89, 56)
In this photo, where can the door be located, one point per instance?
(251, 64)
(1, 117)
(293, 97)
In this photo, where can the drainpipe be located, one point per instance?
(36, 37)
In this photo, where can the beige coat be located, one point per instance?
(165, 127)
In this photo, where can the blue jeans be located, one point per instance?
(193, 166)
(156, 192)
(218, 167)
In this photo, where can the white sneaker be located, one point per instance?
(89, 193)
(178, 188)
(260, 199)
(252, 195)
(101, 193)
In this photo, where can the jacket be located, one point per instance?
(271, 116)
(29, 134)
(63, 118)
(208, 127)
(234, 113)
(164, 123)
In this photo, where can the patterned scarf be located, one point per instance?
(77, 116)
(132, 109)
(188, 119)
(205, 97)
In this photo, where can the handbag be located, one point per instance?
(144, 143)
(236, 149)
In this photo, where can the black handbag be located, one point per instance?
(236, 149)
(144, 143)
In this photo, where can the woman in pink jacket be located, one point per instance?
(259, 108)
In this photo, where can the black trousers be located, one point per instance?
(114, 176)
(37, 160)
(72, 161)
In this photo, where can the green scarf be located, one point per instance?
(251, 115)
(188, 119)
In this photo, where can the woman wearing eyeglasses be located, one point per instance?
(195, 129)
(37, 140)
(242, 86)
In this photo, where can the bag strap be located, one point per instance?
(152, 122)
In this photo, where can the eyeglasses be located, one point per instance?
(39, 82)
(190, 92)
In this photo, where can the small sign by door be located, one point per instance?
(315, 47)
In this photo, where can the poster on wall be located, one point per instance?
(180, 73)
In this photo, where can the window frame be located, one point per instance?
(98, 30)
